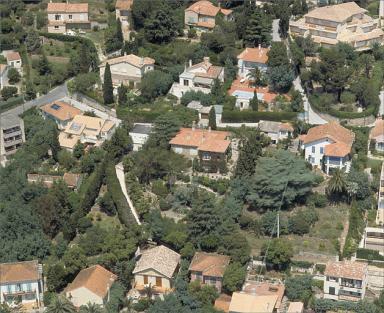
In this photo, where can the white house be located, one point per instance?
(276, 131)
(139, 135)
(22, 282)
(377, 135)
(13, 59)
(156, 267)
(3, 75)
(63, 16)
(251, 58)
(127, 69)
(91, 285)
(203, 112)
(345, 280)
(328, 147)
(198, 77)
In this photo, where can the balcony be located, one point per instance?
(19, 292)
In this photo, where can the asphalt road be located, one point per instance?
(381, 110)
(275, 30)
(55, 94)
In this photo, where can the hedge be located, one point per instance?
(123, 210)
(218, 185)
(301, 264)
(326, 305)
(254, 117)
(10, 103)
(368, 254)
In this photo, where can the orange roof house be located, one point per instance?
(243, 89)
(123, 4)
(130, 59)
(90, 285)
(204, 266)
(255, 55)
(207, 8)
(347, 269)
(19, 272)
(60, 111)
(223, 302)
(266, 289)
(201, 139)
(65, 7)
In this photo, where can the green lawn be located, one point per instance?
(321, 238)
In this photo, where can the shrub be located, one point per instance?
(159, 188)
(347, 97)
(368, 254)
(320, 268)
(318, 200)
(5, 105)
(8, 92)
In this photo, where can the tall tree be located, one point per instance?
(278, 253)
(254, 102)
(255, 76)
(122, 96)
(258, 31)
(336, 185)
(161, 28)
(119, 33)
(43, 65)
(212, 118)
(284, 24)
(107, 86)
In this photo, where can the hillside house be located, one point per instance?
(127, 69)
(156, 267)
(12, 136)
(247, 303)
(202, 15)
(209, 268)
(276, 131)
(22, 282)
(91, 285)
(244, 91)
(140, 134)
(123, 10)
(328, 147)
(210, 147)
(250, 59)
(198, 77)
(60, 112)
(377, 135)
(345, 280)
(92, 131)
(13, 59)
(64, 16)
(345, 22)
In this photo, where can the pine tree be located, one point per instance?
(84, 59)
(284, 24)
(212, 119)
(107, 86)
(251, 149)
(258, 31)
(304, 6)
(254, 103)
(43, 65)
(119, 34)
(30, 92)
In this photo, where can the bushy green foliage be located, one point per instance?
(234, 277)
(254, 117)
(298, 288)
(155, 83)
(278, 253)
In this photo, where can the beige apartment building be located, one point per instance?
(65, 16)
(345, 22)
(11, 136)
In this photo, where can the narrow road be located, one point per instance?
(381, 109)
(121, 177)
(55, 94)
(275, 30)
(311, 116)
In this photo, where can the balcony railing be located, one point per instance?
(19, 292)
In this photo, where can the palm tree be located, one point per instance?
(91, 308)
(255, 76)
(61, 305)
(149, 290)
(337, 185)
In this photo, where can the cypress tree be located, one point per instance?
(107, 86)
(119, 34)
(254, 103)
(43, 65)
(122, 95)
(212, 119)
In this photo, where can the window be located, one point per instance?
(9, 288)
(321, 150)
(29, 287)
(313, 149)
(158, 282)
(186, 82)
(56, 27)
(70, 16)
(145, 280)
(18, 287)
(332, 290)
(57, 17)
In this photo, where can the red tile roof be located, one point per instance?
(257, 55)
(337, 149)
(19, 271)
(207, 8)
(269, 96)
(13, 56)
(60, 110)
(54, 7)
(210, 264)
(333, 131)
(347, 269)
(204, 140)
(131, 59)
(223, 302)
(378, 130)
(95, 278)
(124, 4)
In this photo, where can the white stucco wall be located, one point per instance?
(82, 296)
(317, 155)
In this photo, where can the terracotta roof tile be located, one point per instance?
(61, 110)
(336, 13)
(378, 130)
(124, 4)
(332, 130)
(246, 303)
(160, 259)
(72, 179)
(265, 289)
(347, 269)
(223, 302)
(205, 140)
(131, 59)
(210, 264)
(257, 55)
(207, 8)
(337, 149)
(19, 271)
(296, 307)
(95, 278)
(67, 7)
(13, 56)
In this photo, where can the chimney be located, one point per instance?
(259, 47)
(206, 60)
(141, 61)
(209, 129)
(190, 63)
(193, 125)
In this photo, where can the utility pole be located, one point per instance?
(278, 224)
